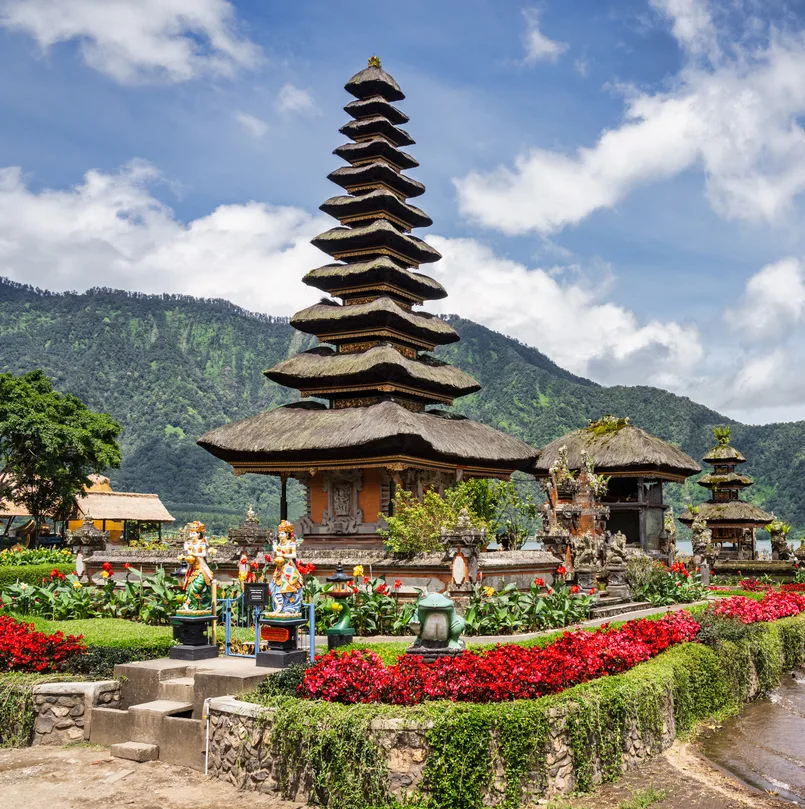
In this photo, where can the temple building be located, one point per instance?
(636, 463)
(373, 413)
(732, 521)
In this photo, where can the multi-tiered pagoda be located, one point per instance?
(377, 422)
(733, 521)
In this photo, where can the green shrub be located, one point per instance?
(99, 662)
(30, 574)
(36, 556)
(281, 683)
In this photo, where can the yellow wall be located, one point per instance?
(114, 527)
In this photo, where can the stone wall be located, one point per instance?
(64, 710)
(239, 752)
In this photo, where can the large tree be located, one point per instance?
(50, 443)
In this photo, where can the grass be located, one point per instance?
(727, 593)
(644, 798)
(117, 633)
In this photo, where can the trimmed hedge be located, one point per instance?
(30, 574)
(468, 744)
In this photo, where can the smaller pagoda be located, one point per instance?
(733, 521)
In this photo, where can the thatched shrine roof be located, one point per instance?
(121, 506)
(308, 434)
(376, 125)
(375, 149)
(368, 107)
(729, 481)
(379, 238)
(724, 453)
(324, 319)
(372, 175)
(381, 270)
(623, 450)
(379, 365)
(379, 202)
(373, 80)
(734, 512)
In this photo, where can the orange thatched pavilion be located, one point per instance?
(380, 421)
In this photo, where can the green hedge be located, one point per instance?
(468, 743)
(30, 574)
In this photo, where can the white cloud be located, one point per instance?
(537, 46)
(736, 120)
(294, 99)
(139, 40)
(773, 302)
(110, 230)
(253, 125)
(582, 67)
(572, 322)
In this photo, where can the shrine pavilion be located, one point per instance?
(373, 416)
(636, 463)
(733, 521)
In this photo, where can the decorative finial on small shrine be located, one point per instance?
(374, 61)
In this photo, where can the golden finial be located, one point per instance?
(374, 61)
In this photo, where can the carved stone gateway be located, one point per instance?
(463, 544)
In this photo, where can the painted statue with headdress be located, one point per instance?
(286, 582)
(197, 583)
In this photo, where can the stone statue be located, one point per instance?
(585, 550)
(286, 583)
(616, 551)
(198, 579)
(701, 541)
(438, 627)
(778, 533)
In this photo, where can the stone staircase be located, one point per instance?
(611, 606)
(162, 706)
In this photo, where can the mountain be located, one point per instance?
(169, 367)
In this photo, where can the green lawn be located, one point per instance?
(113, 632)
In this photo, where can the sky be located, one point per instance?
(618, 183)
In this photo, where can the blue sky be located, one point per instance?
(616, 183)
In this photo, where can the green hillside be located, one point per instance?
(169, 367)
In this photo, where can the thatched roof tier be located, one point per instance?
(376, 126)
(334, 323)
(373, 80)
(122, 506)
(376, 149)
(626, 450)
(380, 204)
(306, 437)
(368, 107)
(381, 274)
(358, 179)
(382, 365)
(729, 481)
(380, 238)
(724, 453)
(735, 512)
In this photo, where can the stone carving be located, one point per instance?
(702, 541)
(616, 551)
(585, 550)
(250, 534)
(778, 533)
(463, 544)
(342, 516)
(668, 537)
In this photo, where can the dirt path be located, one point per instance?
(687, 780)
(88, 778)
(83, 777)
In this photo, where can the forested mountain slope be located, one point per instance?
(170, 367)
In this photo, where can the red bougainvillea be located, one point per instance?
(774, 605)
(504, 673)
(22, 648)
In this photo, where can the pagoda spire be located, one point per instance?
(378, 337)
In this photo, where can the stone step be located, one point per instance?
(180, 689)
(135, 751)
(611, 610)
(109, 726)
(147, 718)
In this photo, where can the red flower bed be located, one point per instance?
(774, 605)
(504, 673)
(22, 648)
(793, 587)
(754, 585)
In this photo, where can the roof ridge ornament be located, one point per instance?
(374, 61)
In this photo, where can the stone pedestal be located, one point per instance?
(585, 578)
(618, 584)
(339, 637)
(192, 633)
(283, 641)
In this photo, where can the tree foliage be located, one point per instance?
(50, 443)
